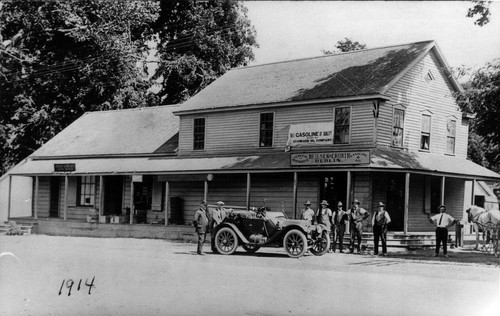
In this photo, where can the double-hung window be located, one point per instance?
(425, 132)
(342, 125)
(266, 130)
(451, 132)
(86, 191)
(398, 128)
(199, 134)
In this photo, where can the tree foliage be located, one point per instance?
(480, 11)
(198, 42)
(345, 45)
(481, 97)
(61, 58)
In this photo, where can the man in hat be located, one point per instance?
(308, 212)
(339, 220)
(356, 215)
(201, 225)
(442, 222)
(216, 217)
(380, 220)
(324, 216)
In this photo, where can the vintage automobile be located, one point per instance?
(262, 228)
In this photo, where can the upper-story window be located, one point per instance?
(266, 130)
(342, 125)
(199, 134)
(398, 128)
(425, 132)
(86, 191)
(451, 132)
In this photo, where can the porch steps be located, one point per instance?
(17, 228)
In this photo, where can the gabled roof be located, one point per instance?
(356, 74)
(119, 132)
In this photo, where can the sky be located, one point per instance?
(288, 30)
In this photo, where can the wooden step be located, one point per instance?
(25, 228)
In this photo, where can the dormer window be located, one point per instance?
(199, 133)
(429, 77)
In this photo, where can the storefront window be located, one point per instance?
(342, 125)
(86, 190)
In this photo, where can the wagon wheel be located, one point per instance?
(226, 241)
(494, 240)
(321, 244)
(250, 248)
(295, 243)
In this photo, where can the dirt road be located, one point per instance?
(156, 277)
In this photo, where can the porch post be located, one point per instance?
(167, 201)
(131, 220)
(443, 179)
(35, 206)
(249, 184)
(101, 195)
(9, 199)
(473, 198)
(65, 210)
(205, 190)
(295, 185)
(407, 202)
(347, 199)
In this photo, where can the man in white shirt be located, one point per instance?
(380, 220)
(356, 215)
(442, 222)
(308, 212)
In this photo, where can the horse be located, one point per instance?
(488, 221)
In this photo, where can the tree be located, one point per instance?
(346, 45)
(60, 59)
(481, 97)
(198, 42)
(481, 10)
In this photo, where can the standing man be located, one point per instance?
(357, 215)
(308, 212)
(217, 216)
(339, 219)
(324, 216)
(380, 220)
(201, 224)
(442, 222)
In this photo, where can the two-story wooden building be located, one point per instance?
(374, 125)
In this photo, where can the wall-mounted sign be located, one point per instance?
(137, 178)
(310, 134)
(64, 167)
(331, 158)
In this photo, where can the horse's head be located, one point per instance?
(473, 213)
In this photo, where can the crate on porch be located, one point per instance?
(104, 219)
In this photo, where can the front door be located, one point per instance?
(333, 186)
(54, 197)
(113, 194)
(396, 200)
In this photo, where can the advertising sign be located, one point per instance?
(310, 134)
(330, 158)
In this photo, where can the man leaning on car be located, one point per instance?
(217, 215)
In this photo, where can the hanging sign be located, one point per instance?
(331, 158)
(310, 134)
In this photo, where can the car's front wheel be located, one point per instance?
(295, 243)
(321, 244)
(226, 241)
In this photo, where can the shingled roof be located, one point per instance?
(356, 73)
(118, 132)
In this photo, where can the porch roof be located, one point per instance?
(381, 159)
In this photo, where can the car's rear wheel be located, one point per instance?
(226, 241)
(321, 244)
(295, 243)
(250, 248)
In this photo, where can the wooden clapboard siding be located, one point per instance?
(379, 191)
(79, 213)
(417, 220)
(307, 189)
(273, 190)
(414, 93)
(127, 185)
(454, 191)
(229, 188)
(191, 193)
(238, 131)
(43, 196)
(362, 188)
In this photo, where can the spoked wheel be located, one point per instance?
(250, 248)
(321, 245)
(226, 241)
(295, 243)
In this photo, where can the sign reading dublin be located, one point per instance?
(331, 158)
